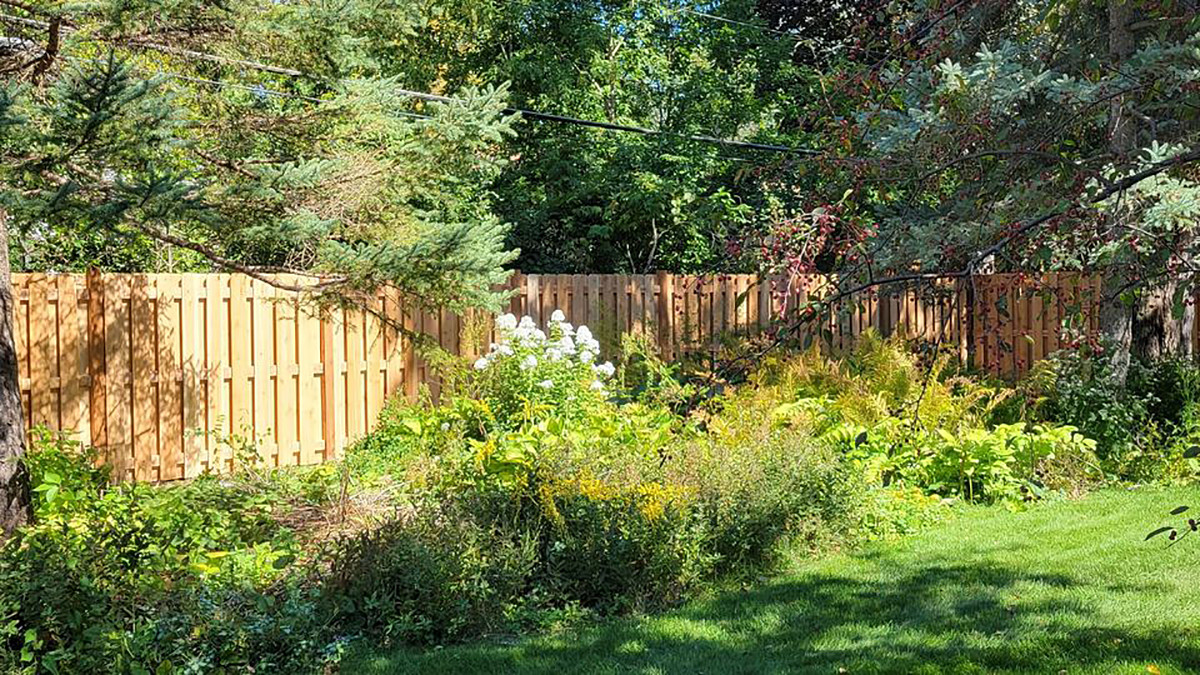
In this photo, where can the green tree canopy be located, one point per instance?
(130, 133)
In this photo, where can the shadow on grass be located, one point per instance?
(942, 617)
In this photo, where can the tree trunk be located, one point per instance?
(15, 504)
(1116, 315)
(1157, 333)
(1147, 327)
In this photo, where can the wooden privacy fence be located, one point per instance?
(164, 372)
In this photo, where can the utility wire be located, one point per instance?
(746, 24)
(551, 117)
(425, 96)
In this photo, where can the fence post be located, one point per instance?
(97, 394)
(666, 296)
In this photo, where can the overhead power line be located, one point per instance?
(746, 24)
(426, 96)
(551, 117)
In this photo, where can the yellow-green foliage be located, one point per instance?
(903, 422)
(879, 383)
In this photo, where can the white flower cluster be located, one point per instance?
(564, 343)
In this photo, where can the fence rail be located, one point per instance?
(161, 371)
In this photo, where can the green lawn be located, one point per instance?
(1068, 586)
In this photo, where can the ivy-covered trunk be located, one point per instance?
(14, 480)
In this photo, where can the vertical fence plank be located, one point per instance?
(1020, 314)
(393, 348)
(624, 294)
(217, 372)
(43, 353)
(410, 354)
(288, 374)
(1037, 317)
(356, 391)
(264, 373)
(97, 369)
(753, 321)
(637, 310)
(665, 283)
(329, 407)
(119, 397)
(974, 290)
(1053, 320)
(311, 377)
(193, 362)
(144, 358)
(170, 349)
(516, 302)
(703, 298)
(681, 324)
(241, 341)
(343, 337)
(577, 283)
(685, 318)
(374, 361)
(430, 324)
(533, 297)
(725, 302)
(73, 357)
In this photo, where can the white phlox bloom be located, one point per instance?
(584, 334)
(546, 384)
(558, 316)
(605, 369)
(506, 322)
(597, 385)
(481, 363)
(527, 322)
(529, 362)
(586, 356)
(504, 350)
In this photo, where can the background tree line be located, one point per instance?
(575, 198)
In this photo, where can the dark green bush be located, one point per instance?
(438, 574)
(1141, 427)
(136, 578)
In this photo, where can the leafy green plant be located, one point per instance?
(106, 575)
(62, 472)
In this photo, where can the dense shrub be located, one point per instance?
(133, 578)
(438, 573)
(1142, 427)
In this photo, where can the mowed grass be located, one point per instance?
(1069, 586)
